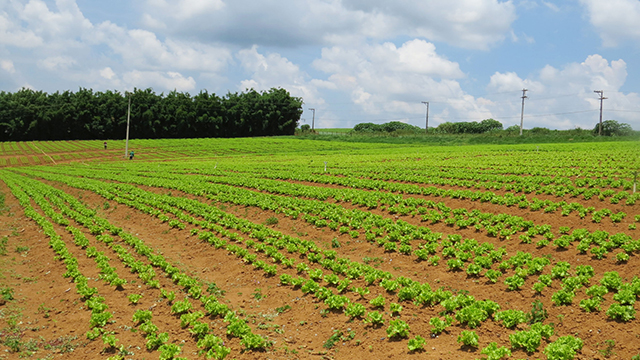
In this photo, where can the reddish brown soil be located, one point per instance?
(83, 154)
(48, 311)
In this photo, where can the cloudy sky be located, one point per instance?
(352, 60)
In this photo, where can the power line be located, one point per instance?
(555, 97)
(632, 111)
(542, 115)
(458, 118)
(502, 92)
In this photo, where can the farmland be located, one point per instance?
(275, 248)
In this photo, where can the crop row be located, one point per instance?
(394, 203)
(384, 231)
(99, 313)
(463, 178)
(407, 293)
(211, 343)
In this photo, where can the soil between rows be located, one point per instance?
(304, 329)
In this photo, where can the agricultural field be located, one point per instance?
(287, 248)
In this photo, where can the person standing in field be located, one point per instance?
(131, 155)
(105, 145)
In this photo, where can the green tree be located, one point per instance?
(613, 128)
(85, 114)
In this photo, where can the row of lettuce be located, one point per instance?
(457, 250)
(296, 200)
(70, 208)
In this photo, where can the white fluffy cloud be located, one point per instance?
(466, 23)
(473, 24)
(7, 65)
(156, 79)
(185, 9)
(564, 98)
(144, 50)
(58, 39)
(616, 20)
(11, 34)
(66, 23)
(510, 81)
(107, 73)
(384, 78)
(54, 63)
(274, 70)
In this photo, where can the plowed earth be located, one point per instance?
(47, 319)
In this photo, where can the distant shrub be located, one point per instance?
(399, 126)
(540, 131)
(367, 127)
(613, 128)
(513, 129)
(472, 127)
(305, 130)
(390, 127)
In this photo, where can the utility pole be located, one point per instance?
(126, 148)
(426, 128)
(313, 120)
(601, 93)
(524, 91)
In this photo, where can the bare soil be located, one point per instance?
(48, 319)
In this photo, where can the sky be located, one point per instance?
(353, 61)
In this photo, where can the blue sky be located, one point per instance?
(352, 60)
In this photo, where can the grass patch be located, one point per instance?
(28, 347)
(3, 245)
(258, 295)
(338, 336)
(22, 249)
(7, 293)
(282, 309)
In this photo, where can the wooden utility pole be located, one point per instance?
(313, 120)
(524, 91)
(426, 128)
(126, 148)
(601, 93)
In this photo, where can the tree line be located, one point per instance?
(609, 128)
(36, 115)
(472, 127)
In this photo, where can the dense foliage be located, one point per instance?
(393, 126)
(472, 127)
(613, 128)
(486, 131)
(85, 114)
